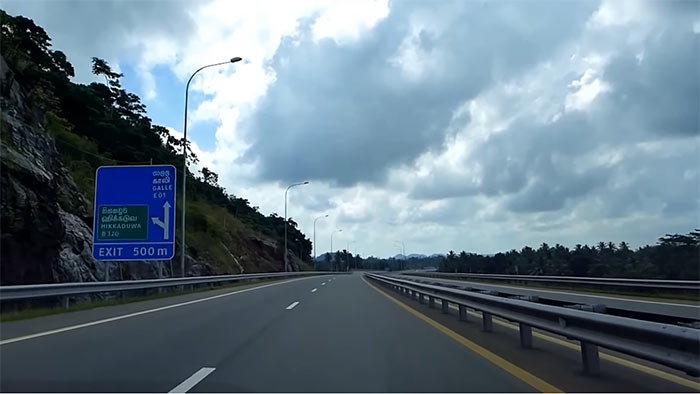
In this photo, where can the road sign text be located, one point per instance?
(134, 213)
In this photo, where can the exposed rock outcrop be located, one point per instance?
(35, 245)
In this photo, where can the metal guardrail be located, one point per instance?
(24, 292)
(674, 346)
(606, 282)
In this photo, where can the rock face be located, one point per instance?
(35, 245)
(75, 262)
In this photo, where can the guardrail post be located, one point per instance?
(445, 307)
(421, 298)
(65, 301)
(415, 295)
(525, 336)
(431, 301)
(486, 321)
(462, 313)
(590, 358)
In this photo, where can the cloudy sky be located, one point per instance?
(467, 125)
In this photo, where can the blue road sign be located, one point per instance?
(134, 213)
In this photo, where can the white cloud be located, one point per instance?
(346, 21)
(413, 58)
(619, 13)
(588, 87)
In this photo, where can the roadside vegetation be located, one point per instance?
(673, 257)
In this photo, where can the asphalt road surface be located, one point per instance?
(313, 334)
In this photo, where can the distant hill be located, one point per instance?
(322, 257)
(415, 256)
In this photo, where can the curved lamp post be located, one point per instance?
(403, 252)
(184, 155)
(286, 264)
(320, 217)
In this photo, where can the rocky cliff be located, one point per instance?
(40, 240)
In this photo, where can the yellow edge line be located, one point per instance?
(504, 364)
(621, 361)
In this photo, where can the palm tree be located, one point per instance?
(601, 246)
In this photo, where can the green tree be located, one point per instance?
(210, 177)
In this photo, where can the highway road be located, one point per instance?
(317, 334)
(343, 336)
(683, 310)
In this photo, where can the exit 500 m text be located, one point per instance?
(143, 251)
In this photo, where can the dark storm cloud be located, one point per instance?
(525, 152)
(653, 99)
(451, 211)
(668, 184)
(345, 114)
(660, 94)
(316, 201)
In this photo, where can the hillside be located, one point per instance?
(55, 133)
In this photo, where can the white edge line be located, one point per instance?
(192, 380)
(292, 305)
(115, 318)
(314, 290)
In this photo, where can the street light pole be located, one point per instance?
(286, 264)
(320, 217)
(403, 252)
(184, 157)
(347, 258)
(340, 230)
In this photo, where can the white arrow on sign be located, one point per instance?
(165, 224)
